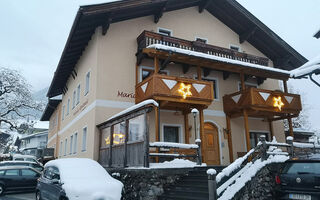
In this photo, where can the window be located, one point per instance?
(87, 84)
(68, 106)
(84, 139)
(215, 86)
(75, 143)
(63, 108)
(60, 148)
(234, 47)
(203, 40)
(118, 133)
(136, 129)
(1, 172)
(12, 172)
(164, 31)
(254, 138)
(65, 146)
(71, 143)
(74, 99)
(78, 94)
(248, 85)
(148, 71)
(28, 172)
(171, 133)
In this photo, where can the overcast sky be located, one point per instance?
(33, 34)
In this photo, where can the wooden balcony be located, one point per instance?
(262, 103)
(175, 92)
(147, 38)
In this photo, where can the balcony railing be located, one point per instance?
(174, 89)
(147, 38)
(262, 103)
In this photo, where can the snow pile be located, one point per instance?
(134, 107)
(176, 163)
(307, 68)
(211, 172)
(173, 145)
(216, 58)
(233, 166)
(250, 171)
(305, 145)
(76, 173)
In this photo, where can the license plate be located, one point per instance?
(300, 196)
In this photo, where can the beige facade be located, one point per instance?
(110, 59)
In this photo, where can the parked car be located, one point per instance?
(18, 178)
(20, 157)
(37, 166)
(77, 179)
(299, 179)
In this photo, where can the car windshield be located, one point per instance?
(302, 168)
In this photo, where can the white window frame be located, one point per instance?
(78, 93)
(201, 38)
(181, 137)
(63, 109)
(75, 145)
(74, 94)
(217, 86)
(68, 107)
(165, 29)
(84, 145)
(247, 83)
(141, 67)
(87, 83)
(236, 46)
(71, 145)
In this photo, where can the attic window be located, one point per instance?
(164, 31)
(234, 47)
(203, 40)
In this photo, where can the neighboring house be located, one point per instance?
(109, 63)
(36, 140)
(301, 135)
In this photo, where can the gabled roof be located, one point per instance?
(229, 12)
(50, 108)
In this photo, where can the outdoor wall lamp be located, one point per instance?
(195, 112)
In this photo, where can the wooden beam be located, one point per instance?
(157, 127)
(186, 128)
(203, 5)
(271, 129)
(225, 75)
(248, 34)
(199, 73)
(247, 131)
(243, 85)
(229, 138)
(206, 72)
(260, 80)
(285, 86)
(156, 64)
(290, 127)
(165, 62)
(159, 13)
(185, 68)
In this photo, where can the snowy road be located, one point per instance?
(21, 196)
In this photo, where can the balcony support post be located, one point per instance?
(201, 119)
(243, 86)
(157, 127)
(186, 127)
(246, 127)
(271, 129)
(229, 138)
(156, 64)
(199, 73)
(285, 87)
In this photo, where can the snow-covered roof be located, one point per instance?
(41, 125)
(134, 107)
(217, 58)
(34, 135)
(308, 68)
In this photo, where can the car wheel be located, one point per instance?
(1, 190)
(38, 195)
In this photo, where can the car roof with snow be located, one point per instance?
(17, 161)
(23, 156)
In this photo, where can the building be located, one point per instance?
(36, 140)
(228, 63)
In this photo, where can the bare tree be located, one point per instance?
(16, 100)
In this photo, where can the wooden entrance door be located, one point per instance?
(210, 145)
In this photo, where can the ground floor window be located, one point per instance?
(254, 137)
(171, 133)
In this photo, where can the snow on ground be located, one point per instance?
(174, 145)
(251, 171)
(217, 58)
(176, 163)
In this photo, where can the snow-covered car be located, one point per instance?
(77, 179)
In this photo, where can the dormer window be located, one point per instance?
(202, 40)
(165, 32)
(235, 47)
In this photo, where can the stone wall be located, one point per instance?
(146, 184)
(262, 186)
